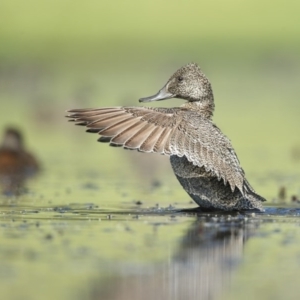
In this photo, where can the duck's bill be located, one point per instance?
(163, 94)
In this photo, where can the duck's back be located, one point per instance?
(208, 168)
(204, 145)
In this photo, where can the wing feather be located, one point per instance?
(151, 140)
(104, 122)
(163, 143)
(137, 139)
(120, 127)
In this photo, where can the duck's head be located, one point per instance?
(12, 139)
(188, 83)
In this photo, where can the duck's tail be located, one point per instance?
(254, 200)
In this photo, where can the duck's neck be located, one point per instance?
(204, 108)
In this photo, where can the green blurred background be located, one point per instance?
(56, 55)
(61, 54)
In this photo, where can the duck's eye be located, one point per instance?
(180, 78)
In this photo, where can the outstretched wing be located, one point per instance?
(166, 131)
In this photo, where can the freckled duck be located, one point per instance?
(201, 156)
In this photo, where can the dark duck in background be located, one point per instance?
(16, 163)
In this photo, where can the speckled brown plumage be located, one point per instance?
(202, 157)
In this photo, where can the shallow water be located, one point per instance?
(82, 251)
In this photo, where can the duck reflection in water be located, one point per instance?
(16, 164)
(202, 267)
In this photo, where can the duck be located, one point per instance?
(15, 160)
(202, 157)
